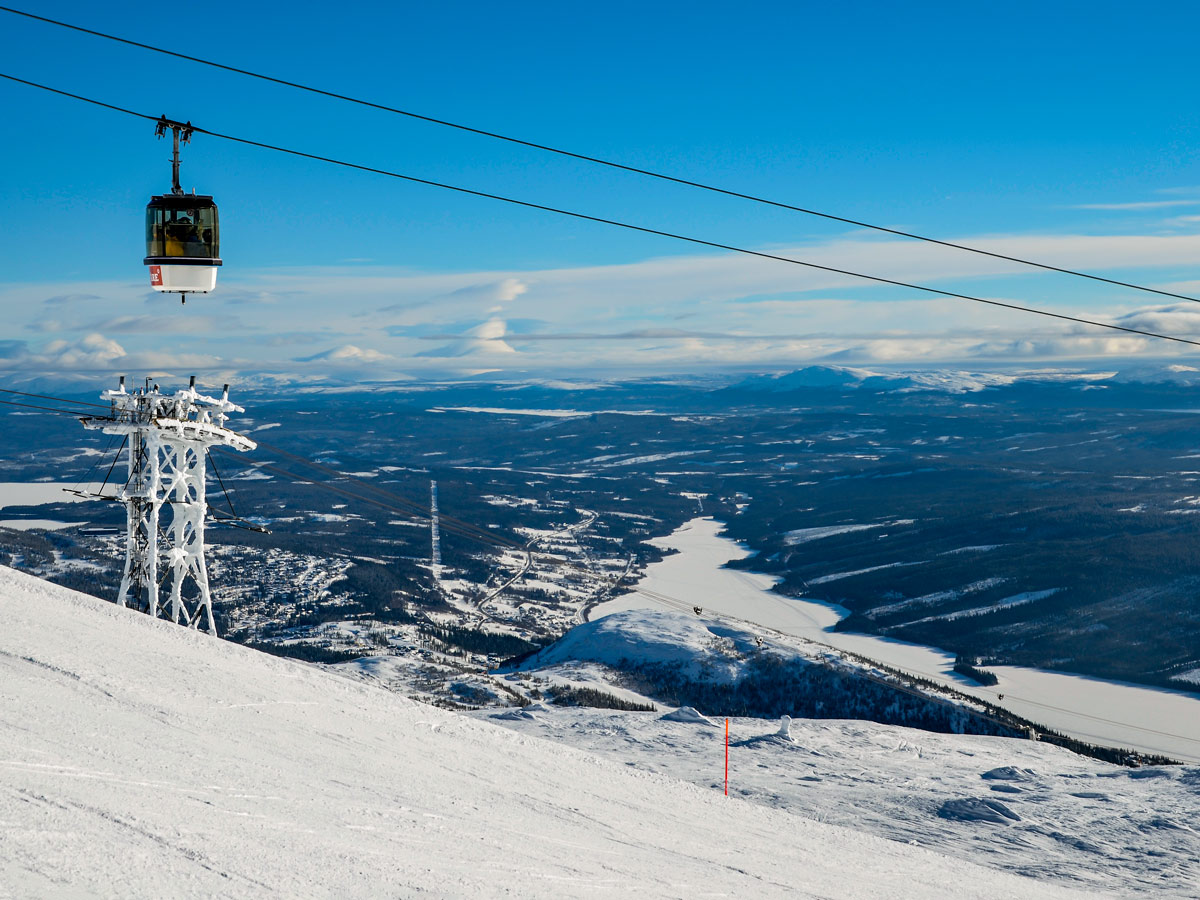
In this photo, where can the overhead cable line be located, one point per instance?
(99, 460)
(55, 399)
(67, 412)
(221, 482)
(662, 176)
(400, 505)
(629, 226)
(116, 457)
(465, 529)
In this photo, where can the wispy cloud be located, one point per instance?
(63, 299)
(169, 325)
(1190, 190)
(639, 334)
(738, 311)
(91, 351)
(486, 339)
(13, 350)
(1180, 320)
(347, 353)
(1138, 205)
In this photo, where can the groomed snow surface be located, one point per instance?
(140, 759)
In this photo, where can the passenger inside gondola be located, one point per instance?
(183, 238)
(177, 234)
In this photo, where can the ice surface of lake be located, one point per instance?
(30, 524)
(35, 493)
(1106, 712)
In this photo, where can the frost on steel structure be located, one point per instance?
(169, 436)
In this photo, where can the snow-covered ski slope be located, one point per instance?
(1022, 806)
(139, 759)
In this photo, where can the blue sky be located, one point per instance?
(1064, 132)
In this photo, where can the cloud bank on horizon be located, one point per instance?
(696, 312)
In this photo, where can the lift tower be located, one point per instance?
(168, 437)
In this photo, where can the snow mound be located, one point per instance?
(978, 809)
(782, 737)
(1009, 773)
(517, 713)
(690, 715)
(705, 648)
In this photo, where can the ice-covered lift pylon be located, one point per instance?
(169, 436)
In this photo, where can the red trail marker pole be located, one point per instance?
(726, 757)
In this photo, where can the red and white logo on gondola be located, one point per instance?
(156, 276)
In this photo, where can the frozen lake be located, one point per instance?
(1107, 712)
(30, 524)
(36, 493)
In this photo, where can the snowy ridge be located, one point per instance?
(140, 759)
(950, 381)
(723, 668)
(700, 646)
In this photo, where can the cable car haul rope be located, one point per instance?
(583, 157)
(185, 285)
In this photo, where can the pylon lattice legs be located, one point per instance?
(166, 504)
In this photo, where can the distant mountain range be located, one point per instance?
(840, 378)
(1097, 375)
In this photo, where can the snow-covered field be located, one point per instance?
(1018, 805)
(141, 759)
(1105, 712)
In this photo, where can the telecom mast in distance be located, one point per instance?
(169, 437)
(435, 538)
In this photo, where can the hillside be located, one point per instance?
(141, 760)
(722, 668)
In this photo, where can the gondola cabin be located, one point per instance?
(183, 243)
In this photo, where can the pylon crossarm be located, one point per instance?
(203, 432)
